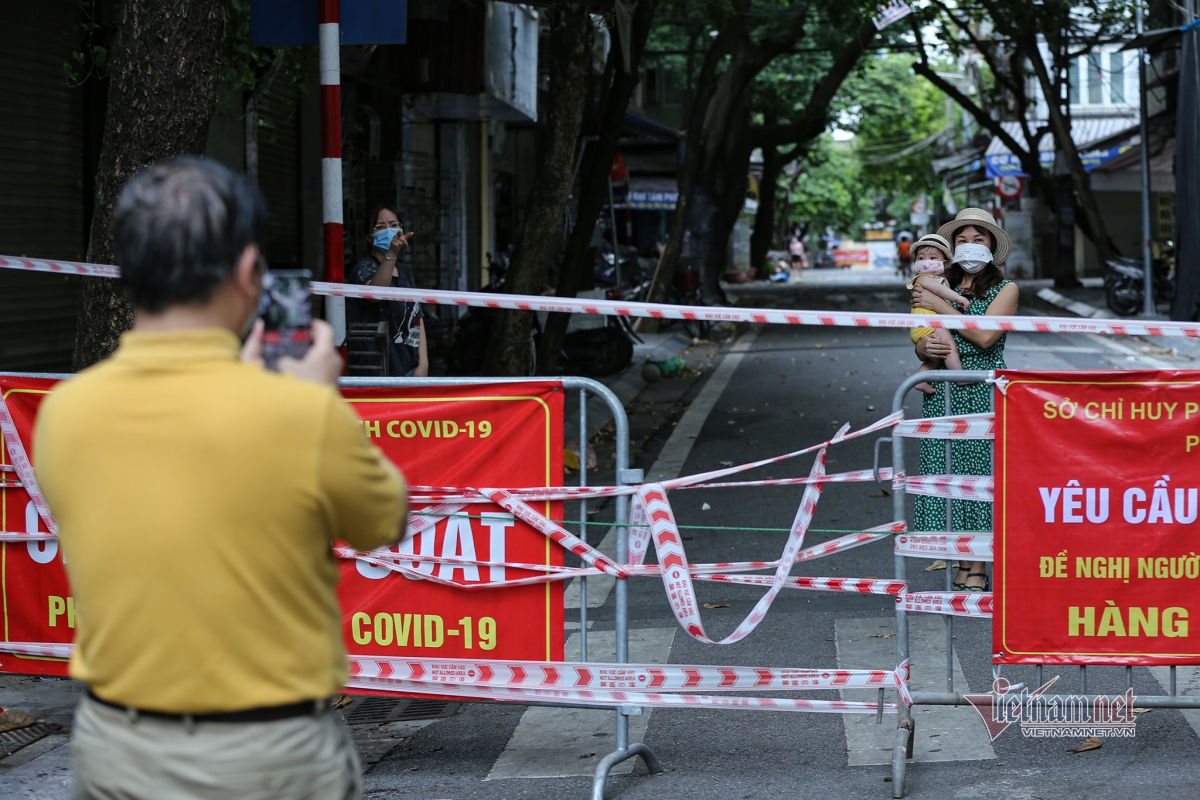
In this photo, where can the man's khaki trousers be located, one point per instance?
(119, 756)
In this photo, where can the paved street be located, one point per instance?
(765, 392)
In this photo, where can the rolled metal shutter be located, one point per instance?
(41, 185)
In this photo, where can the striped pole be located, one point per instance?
(329, 40)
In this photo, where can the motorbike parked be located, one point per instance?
(1125, 284)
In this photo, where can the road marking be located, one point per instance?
(1126, 350)
(556, 742)
(677, 449)
(1187, 683)
(942, 733)
(551, 742)
(670, 461)
(598, 585)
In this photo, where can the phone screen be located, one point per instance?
(287, 315)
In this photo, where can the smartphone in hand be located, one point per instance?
(287, 315)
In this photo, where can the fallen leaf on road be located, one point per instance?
(870, 408)
(869, 578)
(726, 463)
(882, 636)
(1141, 710)
(1090, 743)
(705, 507)
(716, 605)
(935, 566)
(835, 568)
(820, 346)
(587, 755)
(733, 422)
(881, 493)
(12, 719)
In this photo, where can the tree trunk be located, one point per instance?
(726, 186)
(1060, 124)
(571, 35)
(594, 174)
(764, 219)
(163, 92)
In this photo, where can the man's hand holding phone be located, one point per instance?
(321, 364)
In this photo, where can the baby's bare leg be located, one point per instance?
(942, 290)
(952, 360)
(928, 366)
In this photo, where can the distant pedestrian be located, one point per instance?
(904, 254)
(980, 249)
(197, 497)
(799, 257)
(407, 348)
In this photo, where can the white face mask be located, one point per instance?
(972, 257)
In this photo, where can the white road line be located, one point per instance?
(1187, 683)
(677, 449)
(598, 585)
(1119, 347)
(569, 742)
(942, 733)
(670, 460)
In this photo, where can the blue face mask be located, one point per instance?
(382, 240)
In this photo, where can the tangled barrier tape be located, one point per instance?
(653, 522)
(664, 311)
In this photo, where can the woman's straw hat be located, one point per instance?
(980, 218)
(933, 240)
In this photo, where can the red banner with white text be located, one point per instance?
(494, 436)
(1097, 544)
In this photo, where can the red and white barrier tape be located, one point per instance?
(967, 426)
(954, 487)
(613, 699)
(977, 546)
(24, 470)
(595, 683)
(713, 314)
(635, 677)
(956, 604)
(59, 267)
(678, 581)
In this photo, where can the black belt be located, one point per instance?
(304, 708)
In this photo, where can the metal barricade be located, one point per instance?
(624, 476)
(903, 744)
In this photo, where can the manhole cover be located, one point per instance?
(378, 710)
(12, 741)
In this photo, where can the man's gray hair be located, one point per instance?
(181, 226)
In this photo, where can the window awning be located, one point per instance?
(1099, 140)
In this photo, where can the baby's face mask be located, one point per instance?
(928, 266)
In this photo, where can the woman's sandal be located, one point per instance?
(987, 582)
(959, 586)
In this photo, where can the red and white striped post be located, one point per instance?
(329, 42)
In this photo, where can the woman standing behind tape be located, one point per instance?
(980, 249)
(407, 354)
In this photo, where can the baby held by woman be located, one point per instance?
(931, 255)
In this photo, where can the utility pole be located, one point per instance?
(1148, 307)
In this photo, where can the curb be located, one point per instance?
(1076, 307)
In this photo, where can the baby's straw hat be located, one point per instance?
(979, 218)
(933, 240)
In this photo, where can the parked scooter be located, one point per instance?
(1125, 285)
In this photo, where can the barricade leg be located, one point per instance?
(903, 743)
(625, 750)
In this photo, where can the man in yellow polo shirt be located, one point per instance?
(197, 495)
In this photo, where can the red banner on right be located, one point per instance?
(1097, 541)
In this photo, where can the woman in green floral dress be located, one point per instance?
(975, 273)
